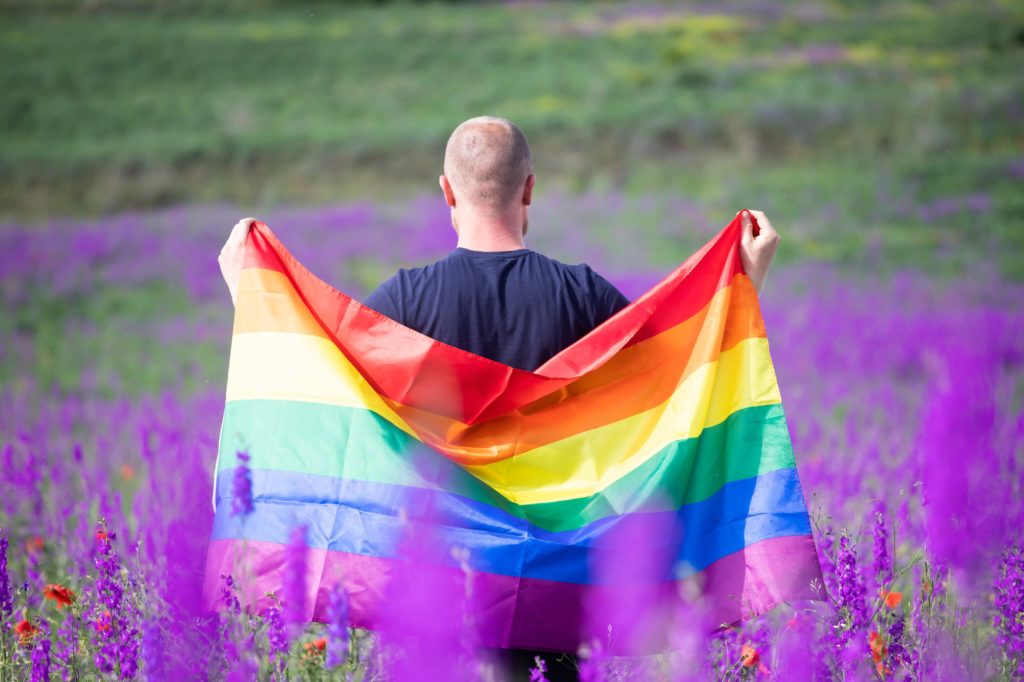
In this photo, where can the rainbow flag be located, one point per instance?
(668, 413)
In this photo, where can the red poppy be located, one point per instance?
(127, 472)
(25, 631)
(877, 645)
(315, 648)
(749, 656)
(102, 624)
(317, 645)
(60, 594)
(893, 599)
(34, 544)
(101, 534)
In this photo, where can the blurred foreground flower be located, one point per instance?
(593, 662)
(241, 487)
(296, 606)
(337, 627)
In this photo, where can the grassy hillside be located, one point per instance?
(894, 123)
(133, 90)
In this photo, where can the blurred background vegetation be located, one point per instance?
(890, 125)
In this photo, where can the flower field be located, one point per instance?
(904, 393)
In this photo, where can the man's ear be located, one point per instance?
(446, 187)
(528, 189)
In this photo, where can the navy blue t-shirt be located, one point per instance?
(517, 307)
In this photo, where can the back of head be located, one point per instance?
(487, 162)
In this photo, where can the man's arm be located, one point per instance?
(232, 255)
(757, 250)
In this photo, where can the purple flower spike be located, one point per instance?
(241, 487)
(277, 636)
(851, 586)
(537, 674)
(6, 600)
(880, 549)
(1009, 603)
(228, 597)
(41, 661)
(116, 623)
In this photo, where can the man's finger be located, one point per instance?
(747, 225)
(767, 228)
(762, 221)
(239, 232)
(244, 225)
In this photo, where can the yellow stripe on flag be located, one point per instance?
(287, 366)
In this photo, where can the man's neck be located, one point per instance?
(480, 233)
(489, 242)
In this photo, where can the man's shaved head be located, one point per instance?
(487, 161)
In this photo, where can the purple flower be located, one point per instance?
(897, 651)
(228, 598)
(241, 487)
(850, 612)
(537, 674)
(851, 585)
(337, 627)
(6, 598)
(66, 642)
(882, 565)
(277, 635)
(1009, 605)
(108, 582)
(115, 626)
(41, 661)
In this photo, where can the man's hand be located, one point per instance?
(233, 253)
(757, 251)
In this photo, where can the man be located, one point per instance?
(492, 295)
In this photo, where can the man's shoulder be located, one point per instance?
(584, 274)
(390, 295)
(580, 271)
(592, 285)
(403, 277)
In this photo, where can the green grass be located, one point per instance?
(303, 102)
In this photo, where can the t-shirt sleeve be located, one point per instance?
(608, 299)
(383, 301)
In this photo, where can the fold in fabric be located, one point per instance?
(657, 441)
